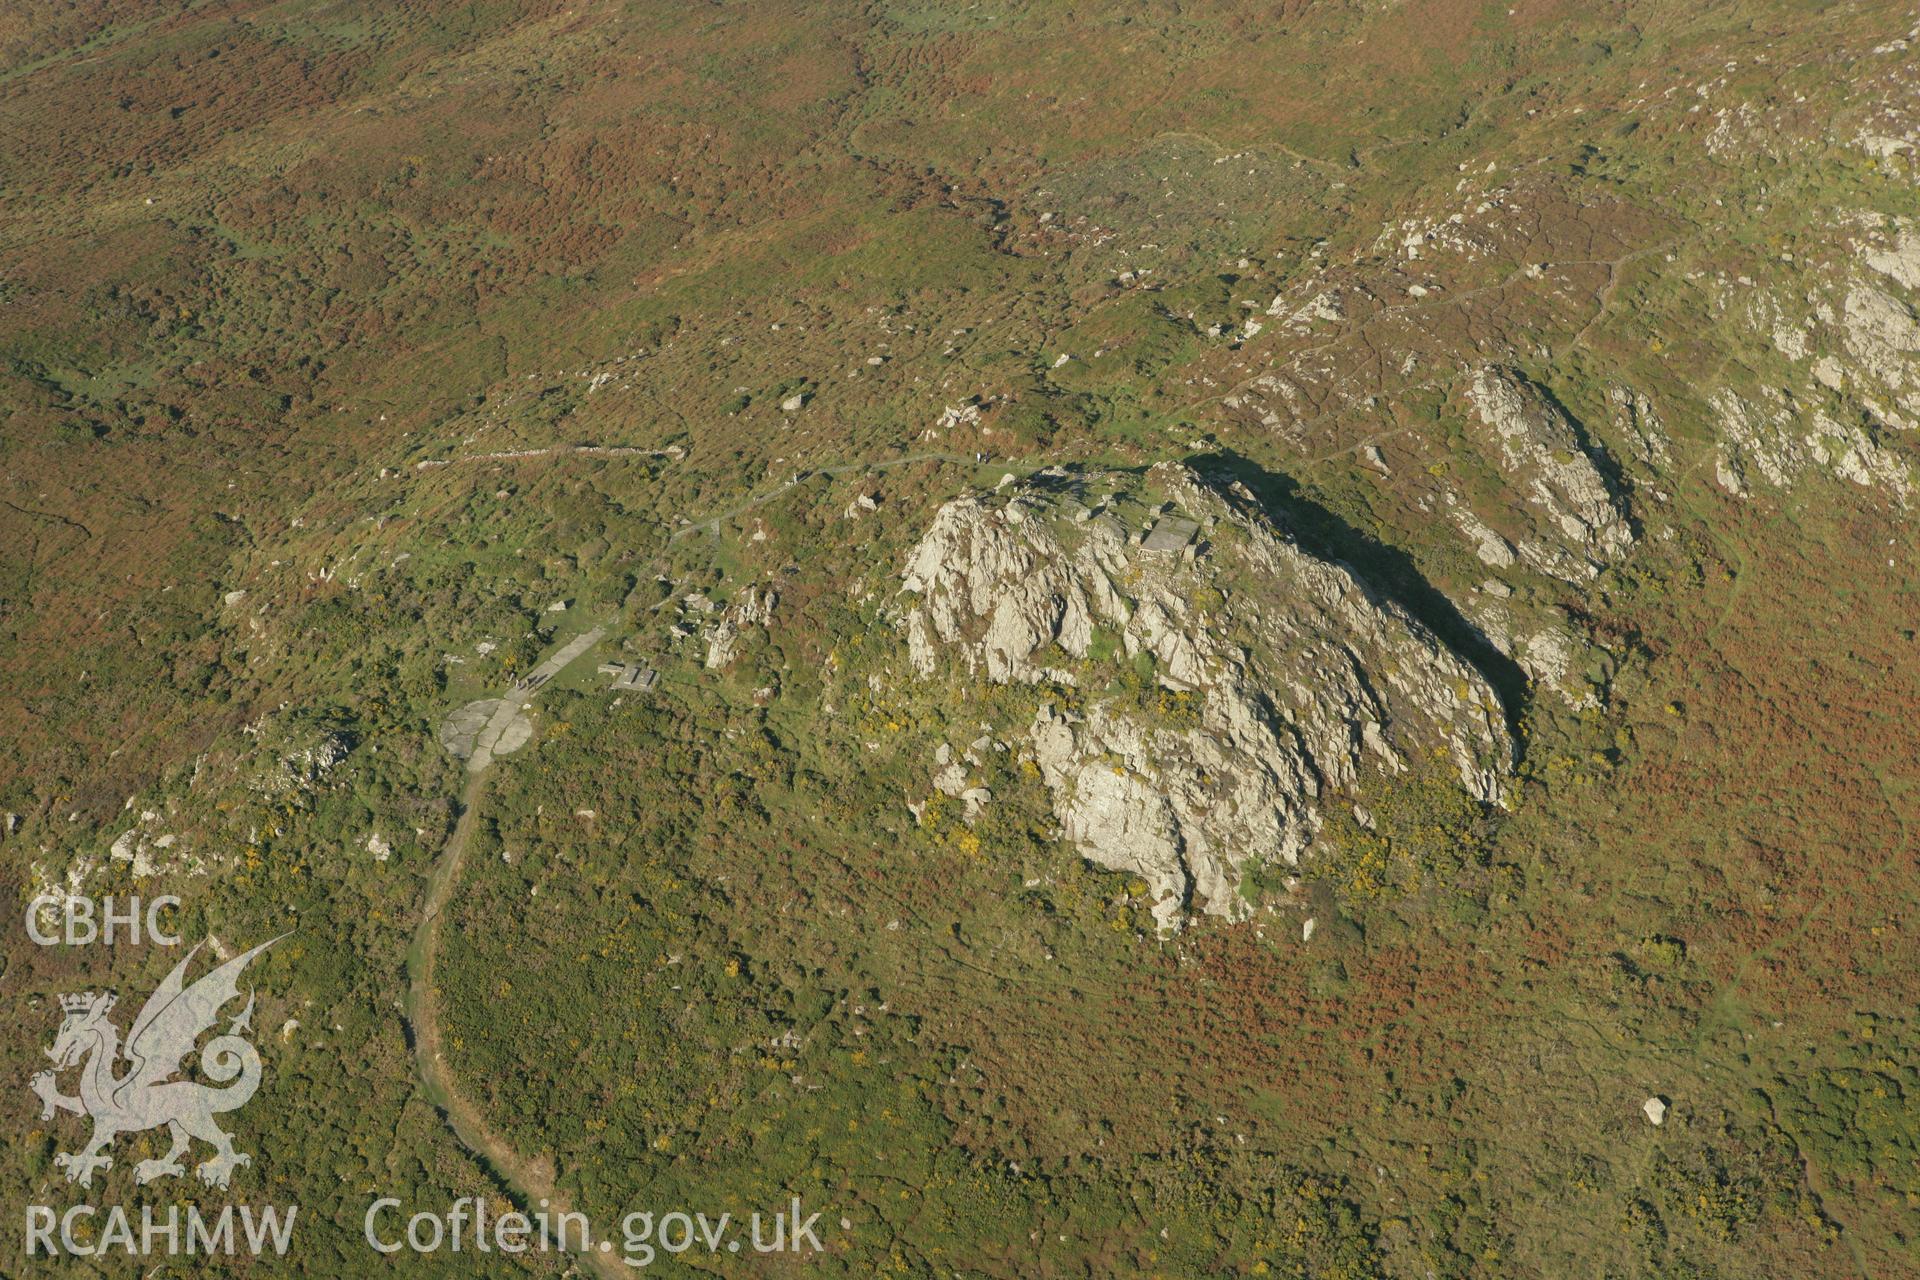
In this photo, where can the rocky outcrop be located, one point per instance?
(1540, 641)
(1204, 683)
(149, 851)
(1849, 342)
(1777, 442)
(1541, 453)
(1881, 336)
(752, 608)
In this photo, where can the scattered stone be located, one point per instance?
(1656, 1110)
(956, 415)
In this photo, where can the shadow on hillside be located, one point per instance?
(1387, 571)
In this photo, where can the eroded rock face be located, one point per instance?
(1288, 676)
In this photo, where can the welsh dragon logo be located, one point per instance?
(147, 1095)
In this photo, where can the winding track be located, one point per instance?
(529, 1179)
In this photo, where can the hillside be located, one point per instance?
(1212, 638)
